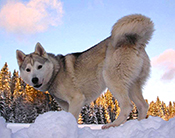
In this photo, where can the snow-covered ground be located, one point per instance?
(63, 125)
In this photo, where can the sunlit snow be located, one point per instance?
(63, 125)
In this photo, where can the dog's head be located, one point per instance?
(35, 68)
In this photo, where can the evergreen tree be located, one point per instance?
(85, 114)
(18, 90)
(14, 81)
(24, 112)
(80, 121)
(99, 113)
(117, 109)
(5, 92)
(165, 110)
(5, 84)
(37, 98)
(92, 114)
(106, 110)
(171, 110)
(2, 107)
(54, 106)
(159, 107)
(134, 112)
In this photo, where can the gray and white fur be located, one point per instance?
(119, 63)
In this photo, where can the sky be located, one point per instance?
(68, 26)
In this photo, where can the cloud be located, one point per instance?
(165, 62)
(30, 17)
(169, 75)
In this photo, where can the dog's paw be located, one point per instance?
(108, 126)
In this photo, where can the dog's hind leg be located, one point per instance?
(121, 93)
(136, 96)
(135, 91)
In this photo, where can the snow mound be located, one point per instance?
(153, 127)
(4, 131)
(51, 125)
(63, 125)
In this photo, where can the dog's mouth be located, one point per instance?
(38, 85)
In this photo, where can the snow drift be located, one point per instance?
(63, 125)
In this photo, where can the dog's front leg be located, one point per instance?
(75, 104)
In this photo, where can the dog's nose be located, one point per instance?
(35, 80)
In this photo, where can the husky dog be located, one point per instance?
(119, 63)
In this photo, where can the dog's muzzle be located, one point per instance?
(35, 81)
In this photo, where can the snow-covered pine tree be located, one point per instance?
(134, 113)
(171, 110)
(37, 99)
(53, 105)
(14, 81)
(80, 121)
(5, 84)
(111, 105)
(17, 92)
(5, 92)
(92, 115)
(24, 112)
(99, 107)
(106, 111)
(2, 107)
(166, 112)
(117, 112)
(85, 114)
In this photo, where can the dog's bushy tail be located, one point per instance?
(134, 29)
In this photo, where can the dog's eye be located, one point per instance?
(40, 66)
(28, 70)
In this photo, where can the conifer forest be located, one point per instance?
(21, 103)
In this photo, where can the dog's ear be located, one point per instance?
(20, 57)
(40, 50)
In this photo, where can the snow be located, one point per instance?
(51, 125)
(63, 125)
(4, 131)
